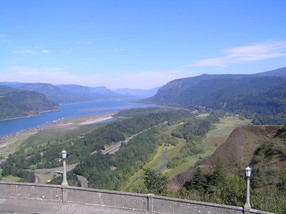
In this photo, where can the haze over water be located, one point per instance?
(67, 111)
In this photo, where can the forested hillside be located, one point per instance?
(20, 103)
(260, 96)
(221, 178)
(265, 107)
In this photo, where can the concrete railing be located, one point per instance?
(119, 200)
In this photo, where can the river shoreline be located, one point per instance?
(69, 123)
(31, 115)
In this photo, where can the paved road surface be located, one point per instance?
(83, 181)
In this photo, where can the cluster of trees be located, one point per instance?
(139, 112)
(264, 108)
(112, 171)
(215, 187)
(155, 182)
(193, 131)
(219, 187)
(24, 175)
(195, 128)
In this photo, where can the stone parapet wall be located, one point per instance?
(145, 203)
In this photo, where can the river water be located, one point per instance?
(67, 111)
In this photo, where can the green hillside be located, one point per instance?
(20, 103)
(259, 97)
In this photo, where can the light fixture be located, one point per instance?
(64, 154)
(248, 172)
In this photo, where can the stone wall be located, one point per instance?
(147, 203)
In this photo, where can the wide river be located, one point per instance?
(67, 111)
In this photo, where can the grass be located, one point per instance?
(10, 178)
(155, 164)
(55, 134)
(12, 145)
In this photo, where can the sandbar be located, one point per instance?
(69, 123)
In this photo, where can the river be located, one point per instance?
(67, 111)
(158, 170)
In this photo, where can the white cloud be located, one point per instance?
(113, 50)
(237, 55)
(28, 51)
(52, 75)
(44, 51)
(24, 52)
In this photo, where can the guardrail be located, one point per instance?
(119, 200)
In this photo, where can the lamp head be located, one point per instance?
(248, 172)
(64, 154)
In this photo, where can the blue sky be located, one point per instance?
(136, 43)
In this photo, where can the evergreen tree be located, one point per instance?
(155, 182)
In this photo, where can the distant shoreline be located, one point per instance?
(31, 115)
(69, 123)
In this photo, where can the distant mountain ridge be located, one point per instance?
(143, 93)
(280, 72)
(67, 93)
(254, 94)
(21, 103)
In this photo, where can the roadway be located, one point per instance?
(116, 147)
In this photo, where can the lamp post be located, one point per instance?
(247, 206)
(64, 156)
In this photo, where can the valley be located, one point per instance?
(171, 135)
(196, 149)
(143, 107)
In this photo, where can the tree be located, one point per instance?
(199, 182)
(156, 183)
(282, 179)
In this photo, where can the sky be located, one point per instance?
(138, 44)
